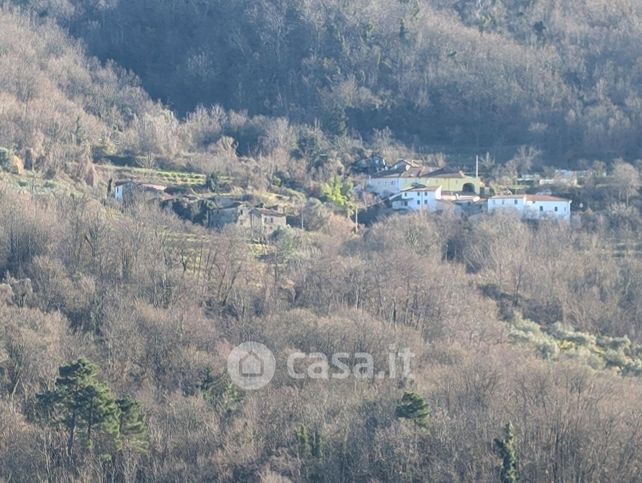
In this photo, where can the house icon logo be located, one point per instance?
(251, 365)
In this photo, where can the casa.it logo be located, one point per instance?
(251, 366)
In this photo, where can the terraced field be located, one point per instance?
(619, 248)
(175, 178)
(37, 185)
(192, 250)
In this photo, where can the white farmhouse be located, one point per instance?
(125, 191)
(417, 198)
(393, 181)
(532, 207)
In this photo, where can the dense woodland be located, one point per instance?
(564, 76)
(536, 327)
(115, 326)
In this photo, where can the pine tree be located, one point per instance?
(132, 427)
(509, 472)
(98, 411)
(414, 408)
(221, 392)
(311, 453)
(403, 31)
(80, 402)
(303, 439)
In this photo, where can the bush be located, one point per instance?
(10, 162)
(5, 156)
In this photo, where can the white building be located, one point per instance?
(532, 207)
(434, 198)
(125, 191)
(392, 182)
(418, 198)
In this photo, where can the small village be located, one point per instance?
(402, 187)
(410, 187)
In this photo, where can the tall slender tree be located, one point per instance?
(509, 472)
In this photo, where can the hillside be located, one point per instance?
(562, 76)
(185, 185)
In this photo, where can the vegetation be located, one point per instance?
(414, 408)
(82, 284)
(506, 447)
(563, 77)
(116, 320)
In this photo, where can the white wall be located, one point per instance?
(418, 201)
(393, 185)
(516, 204)
(533, 210)
(383, 186)
(536, 210)
(118, 192)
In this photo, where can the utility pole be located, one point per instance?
(477, 166)
(356, 218)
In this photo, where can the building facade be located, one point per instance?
(419, 198)
(391, 182)
(259, 221)
(532, 207)
(127, 191)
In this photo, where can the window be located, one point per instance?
(405, 203)
(425, 202)
(515, 201)
(502, 202)
(418, 202)
(556, 208)
(541, 208)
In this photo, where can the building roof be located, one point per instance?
(530, 197)
(267, 212)
(421, 187)
(411, 172)
(157, 187)
(233, 205)
(545, 198)
(446, 173)
(460, 195)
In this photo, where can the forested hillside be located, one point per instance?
(562, 76)
(117, 315)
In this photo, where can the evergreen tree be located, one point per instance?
(414, 408)
(80, 402)
(303, 439)
(509, 472)
(311, 453)
(221, 392)
(132, 427)
(403, 31)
